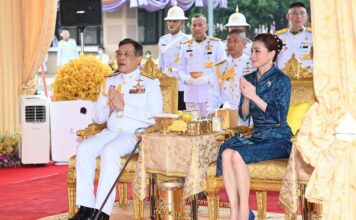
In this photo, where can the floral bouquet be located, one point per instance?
(9, 150)
(80, 79)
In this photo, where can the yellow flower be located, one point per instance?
(80, 79)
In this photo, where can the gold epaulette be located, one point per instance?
(309, 29)
(282, 31)
(188, 41)
(151, 76)
(112, 74)
(213, 38)
(221, 62)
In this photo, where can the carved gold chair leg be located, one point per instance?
(71, 182)
(213, 204)
(290, 216)
(138, 208)
(122, 194)
(261, 197)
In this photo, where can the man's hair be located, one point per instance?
(200, 16)
(296, 4)
(239, 32)
(137, 46)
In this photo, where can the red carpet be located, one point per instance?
(34, 192)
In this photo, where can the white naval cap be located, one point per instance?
(175, 13)
(237, 19)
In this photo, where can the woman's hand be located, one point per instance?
(247, 89)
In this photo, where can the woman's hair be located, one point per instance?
(272, 43)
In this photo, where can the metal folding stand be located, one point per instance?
(118, 178)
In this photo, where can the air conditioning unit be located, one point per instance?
(35, 141)
(67, 117)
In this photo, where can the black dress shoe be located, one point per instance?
(83, 213)
(102, 215)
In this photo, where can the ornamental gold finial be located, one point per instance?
(151, 70)
(294, 69)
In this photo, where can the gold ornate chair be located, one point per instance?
(267, 175)
(169, 88)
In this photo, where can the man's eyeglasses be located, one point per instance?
(296, 14)
(125, 54)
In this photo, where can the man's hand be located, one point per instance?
(116, 100)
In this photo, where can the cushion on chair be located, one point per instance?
(295, 115)
(266, 170)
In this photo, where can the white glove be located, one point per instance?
(198, 81)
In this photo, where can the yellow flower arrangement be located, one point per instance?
(80, 79)
(9, 152)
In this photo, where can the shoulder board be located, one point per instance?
(248, 40)
(164, 36)
(281, 31)
(309, 29)
(148, 76)
(114, 73)
(221, 62)
(188, 41)
(213, 38)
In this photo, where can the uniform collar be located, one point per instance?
(132, 74)
(200, 40)
(176, 35)
(297, 31)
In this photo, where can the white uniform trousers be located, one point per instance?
(202, 107)
(110, 146)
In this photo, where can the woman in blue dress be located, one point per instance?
(265, 98)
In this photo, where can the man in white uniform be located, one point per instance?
(198, 57)
(67, 49)
(237, 21)
(226, 86)
(127, 101)
(169, 47)
(297, 39)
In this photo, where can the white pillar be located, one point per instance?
(211, 18)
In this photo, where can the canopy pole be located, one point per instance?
(211, 18)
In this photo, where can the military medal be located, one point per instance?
(138, 89)
(209, 48)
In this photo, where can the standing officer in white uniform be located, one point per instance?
(237, 21)
(169, 47)
(67, 49)
(127, 101)
(226, 86)
(198, 57)
(297, 39)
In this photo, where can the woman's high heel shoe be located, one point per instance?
(251, 216)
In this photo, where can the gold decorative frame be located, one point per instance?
(169, 88)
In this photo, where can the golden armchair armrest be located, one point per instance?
(92, 129)
(228, 133)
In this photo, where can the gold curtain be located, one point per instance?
(333, 182)
(26, 28)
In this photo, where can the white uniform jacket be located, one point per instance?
(199, 57)
(300, 44)
(143, 99)
(225, 87)
(66, 51)
(169, 47)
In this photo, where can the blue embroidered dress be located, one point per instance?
(271, 134)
